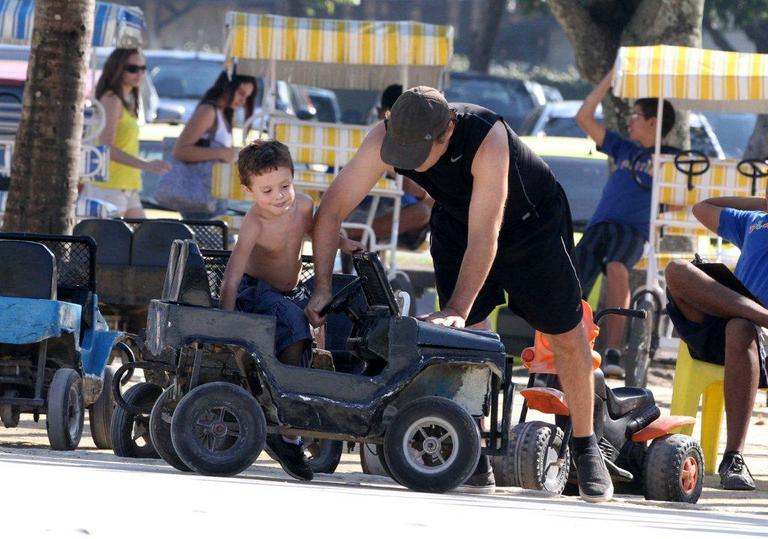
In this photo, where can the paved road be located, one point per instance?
(93, 494)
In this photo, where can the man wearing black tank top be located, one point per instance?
(500, 223)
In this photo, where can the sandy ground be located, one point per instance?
(29, 440)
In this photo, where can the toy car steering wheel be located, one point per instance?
(643, 156)
(341, 299)
(691, 163)
(753, 168)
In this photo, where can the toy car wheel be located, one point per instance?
(533, 458)
(66, 412)
(372, 460)
(10, 414)
(323, 455)
(100, 413)
(160, 430)
(432, 445)
(130, 432)
(505, 467)
(674, 469)
(218, 429)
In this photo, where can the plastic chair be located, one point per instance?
(694, 381)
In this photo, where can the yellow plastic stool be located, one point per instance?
(698, 380)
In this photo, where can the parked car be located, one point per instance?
(580, 169)
(733, 131)
(559, 119)
(148, 94)
(511, 98)
(182, 78)
(324, 103)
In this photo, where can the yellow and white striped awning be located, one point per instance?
(339, 53)
(694, 78)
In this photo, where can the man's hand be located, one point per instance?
(319, 299)
(351, 247)
(445, 317)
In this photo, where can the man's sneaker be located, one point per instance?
(481, 481)
(734, 474)
(290, 456)
(595, 483)
(612, 364)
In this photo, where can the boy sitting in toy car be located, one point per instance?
(263, 272)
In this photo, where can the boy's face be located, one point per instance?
(641, 128)
(273, 191)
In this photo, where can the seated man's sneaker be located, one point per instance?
(734, 474)
(481, 481)
(290, 456)
(612, 364)
(595, 484)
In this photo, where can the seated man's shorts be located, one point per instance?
(532, 266)
(604, 243)
(258, 297)
(706, 340)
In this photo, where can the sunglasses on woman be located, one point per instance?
(133, 68)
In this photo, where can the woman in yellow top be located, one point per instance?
(118, 92)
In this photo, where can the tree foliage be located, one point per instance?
(597, 28)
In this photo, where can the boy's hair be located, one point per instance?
(649, 105)
(262, 156)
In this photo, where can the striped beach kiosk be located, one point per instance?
(704, 80)
(368, 55)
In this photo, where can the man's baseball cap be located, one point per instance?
(417, 118)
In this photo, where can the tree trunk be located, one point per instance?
(484, 38)
(757, 147)
(596, 34)
(46, 160)
(296, 8)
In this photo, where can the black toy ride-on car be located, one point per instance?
(639, 448)
(412, 388)
(130, 267)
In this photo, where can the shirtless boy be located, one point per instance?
(262, 274)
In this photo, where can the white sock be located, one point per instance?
(294, 441)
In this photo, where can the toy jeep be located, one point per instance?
(54, 343)
(410, 387)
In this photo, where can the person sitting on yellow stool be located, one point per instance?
(721, 325)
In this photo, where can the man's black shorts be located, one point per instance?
(532, 265)
(705, 340)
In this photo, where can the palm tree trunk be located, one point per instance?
(46, 161)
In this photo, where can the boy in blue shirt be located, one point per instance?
(615, 237)
(722, 326)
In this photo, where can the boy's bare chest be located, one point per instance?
(279, 237)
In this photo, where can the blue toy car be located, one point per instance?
(54, 344)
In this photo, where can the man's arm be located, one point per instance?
(236, 264)
(349, 188)
(708, 211)
(586, 115)
(490, 170)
